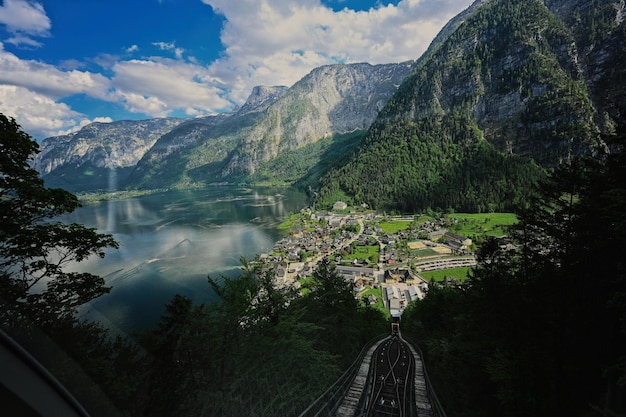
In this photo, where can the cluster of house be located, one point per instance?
(325, 239)
(397, 298)
(296, 256)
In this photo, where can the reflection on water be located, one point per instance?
(170, 242)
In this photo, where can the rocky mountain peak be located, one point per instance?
(331, 99)
(262, 95)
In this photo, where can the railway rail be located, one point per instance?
(392, 373)
(388, 379)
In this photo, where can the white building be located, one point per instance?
(340, 205)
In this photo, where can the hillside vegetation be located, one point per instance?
(480, 115)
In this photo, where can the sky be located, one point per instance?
(67, 63)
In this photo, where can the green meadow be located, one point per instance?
(378, 292)
(482, 224)
(394, 226)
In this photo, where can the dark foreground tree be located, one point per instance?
(34, 247)
(539, 329)
(39, 298)
(259, 349)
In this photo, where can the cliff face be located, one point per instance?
(105, 145)
(539, 78)
(522, 78)
(194, 151)
(262, 96)
(330, 100)
(274, 120)
(599, 33)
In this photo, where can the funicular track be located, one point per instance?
(388, 378)
(391, 375)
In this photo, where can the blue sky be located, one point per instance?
(66, 63)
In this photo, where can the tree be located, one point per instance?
(34, 247)
(39, 297)
(206, 358)
(509, 341)
(331, 306)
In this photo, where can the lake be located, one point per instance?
(171, 241)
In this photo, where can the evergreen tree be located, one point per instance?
(539, 328)
(259, 349)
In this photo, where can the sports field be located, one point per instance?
(459, 273)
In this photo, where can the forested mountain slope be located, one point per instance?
(516, 85)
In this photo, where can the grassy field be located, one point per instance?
(394, 226)
(458, 273)
(477, 224)
(483, 224)
(286, 227)
(290, 223)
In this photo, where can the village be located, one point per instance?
(378, 263)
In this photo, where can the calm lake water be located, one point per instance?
(170, 242)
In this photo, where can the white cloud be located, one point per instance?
(170, 46)
(98, 119)
(155, 86)
(164, 46)
(160, 87)
(280, 41)
(24, 18)
(38, 115)
(29, 91)
(82, 123)
(104, 60)
(48, 80)
(267, 43)
(70, 64)
(21, 40)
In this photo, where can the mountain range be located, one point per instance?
(507, 89)
(334, 100)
